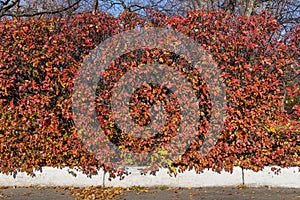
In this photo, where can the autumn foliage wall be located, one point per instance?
(40, 58)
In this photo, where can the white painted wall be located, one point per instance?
(288, 177)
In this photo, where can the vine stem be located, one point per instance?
(243, 177)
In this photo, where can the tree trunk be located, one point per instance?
(246, 7)
(231, 6)
(96, 5)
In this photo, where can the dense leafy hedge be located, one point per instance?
(39, 59)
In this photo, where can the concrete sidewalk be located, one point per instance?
(160, 193)
(219, 193)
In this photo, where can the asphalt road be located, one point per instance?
(32, 193)
(162, 193)
(219, 193)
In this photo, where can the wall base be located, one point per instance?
(287, 177)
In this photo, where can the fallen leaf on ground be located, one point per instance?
(194, 194)
(2, 196)
(95, 192)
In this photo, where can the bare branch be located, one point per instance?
(7, 5)
(32, 13)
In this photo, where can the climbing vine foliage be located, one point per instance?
(39, 59)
